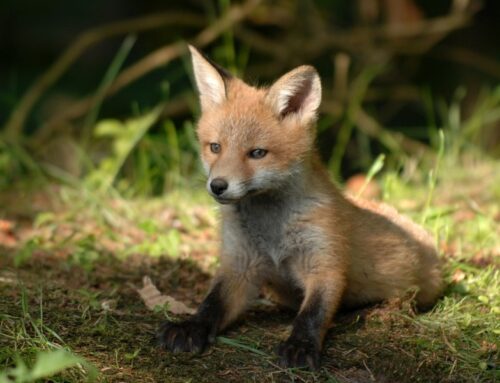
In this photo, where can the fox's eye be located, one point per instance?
(257, 153)
(214, 147)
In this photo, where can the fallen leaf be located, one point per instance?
(7, 240)
(458, 276)
(108, 304)
(8, 277)
(152, 297)
(7, 236)
(6, 226)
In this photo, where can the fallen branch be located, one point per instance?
(361, 36)
(394, 141)
(410, 39)
(471, 59)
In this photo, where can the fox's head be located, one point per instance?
(253, 139)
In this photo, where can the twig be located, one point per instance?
(393, 140)
(472, 59)
(342, 63)
(399, 92)
(259, 42)
(423, 34)
(157, 59)
(372, 377)
(447, 342)
(437, 25)
(14, 125)
(286, 371)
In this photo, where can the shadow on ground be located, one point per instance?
(99, 315)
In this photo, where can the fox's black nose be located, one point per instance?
(218, 186)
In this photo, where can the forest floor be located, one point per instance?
(71, 264)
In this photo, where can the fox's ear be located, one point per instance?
(210, 80)
(297, 94)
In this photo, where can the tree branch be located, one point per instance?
(14, 125)
(158, 58)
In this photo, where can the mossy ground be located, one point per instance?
(72, 263)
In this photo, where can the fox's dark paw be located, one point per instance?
(298, 353)
(187, 336)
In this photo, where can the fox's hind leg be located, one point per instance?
(323, 286)
(430, 281)
(227, 299)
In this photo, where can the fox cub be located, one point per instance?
(285, 226)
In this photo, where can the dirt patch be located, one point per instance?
(99, 316)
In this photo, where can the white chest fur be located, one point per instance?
(269, 227)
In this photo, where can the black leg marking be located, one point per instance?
(303, 347)
(196, 332)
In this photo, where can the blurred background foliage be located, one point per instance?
(101, 93)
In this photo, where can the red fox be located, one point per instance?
(285, 226)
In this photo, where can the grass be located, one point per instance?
(28, 336)
(69, 283)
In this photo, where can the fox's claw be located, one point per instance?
(187, 336)
(298, 353)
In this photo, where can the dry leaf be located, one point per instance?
(7, 237)
(458, 276)
(8, 277)
(152, 297)
(6, 226)
(108, 304)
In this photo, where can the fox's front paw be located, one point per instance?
(188, 336)
(298, 353)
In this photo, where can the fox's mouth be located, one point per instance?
(227, 201)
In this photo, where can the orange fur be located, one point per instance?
(377, 252)
(284, 223)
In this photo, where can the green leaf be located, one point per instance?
(484, 299)
(171, 243)
(44, 218)
(109, 127)
(52, 362)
